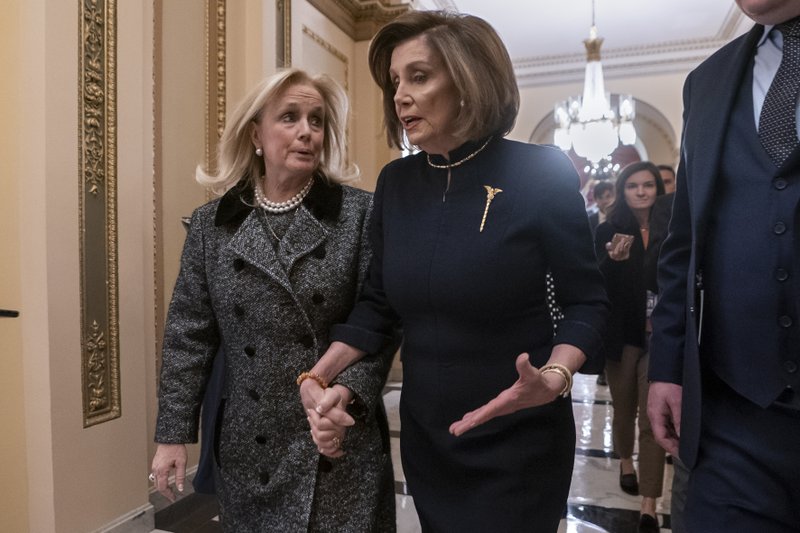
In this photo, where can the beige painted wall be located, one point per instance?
(79, 479)
(13, 453)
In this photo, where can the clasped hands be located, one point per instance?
(328, 416)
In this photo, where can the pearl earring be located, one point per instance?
(259, 152)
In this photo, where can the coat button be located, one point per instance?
(324, 465)
(780, 184)
(785, 321)
(249, 351)
(317, 298)
(263, 477)
(790, 366)
(254, 395)
(238, 264)
(320, 252)
(238, 310)
(781, 274)
(261, 439)
(779, 228)
(307, 341)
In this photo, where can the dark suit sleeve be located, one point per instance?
(367, 377)
(372, 323)
(669, 317)
(567, 241)
(191, 340)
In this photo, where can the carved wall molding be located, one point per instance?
(335, 52)
(360, 19)
(656, 58)
(97, 162)
(283, 33)
(215, 79)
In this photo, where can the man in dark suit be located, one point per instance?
(725, 351)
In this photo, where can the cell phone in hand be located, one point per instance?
(620, 238)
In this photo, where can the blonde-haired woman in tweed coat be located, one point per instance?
(266, 270)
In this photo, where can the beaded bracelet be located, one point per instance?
(311, 375)
(564, 372)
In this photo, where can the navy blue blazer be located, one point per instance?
(709, 95)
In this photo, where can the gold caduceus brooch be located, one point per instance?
(491, 192)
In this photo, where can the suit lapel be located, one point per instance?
(303, 235)
(252, 243)
(307, 231)
(712, 103)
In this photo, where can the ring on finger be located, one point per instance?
(337, 442)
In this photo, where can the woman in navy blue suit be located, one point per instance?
(629, 267)
(464, 233)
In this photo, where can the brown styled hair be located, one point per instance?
(476, 60)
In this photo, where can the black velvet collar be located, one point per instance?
(324, 201)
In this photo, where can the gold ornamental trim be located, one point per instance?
(593, 46)
(360, 19)
(283, 32)
(216, 68)
(97, 169)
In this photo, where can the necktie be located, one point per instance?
(777, 125)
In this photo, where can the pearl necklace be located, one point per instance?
(281, 207)
(461, 161)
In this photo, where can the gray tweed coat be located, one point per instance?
(272, 311)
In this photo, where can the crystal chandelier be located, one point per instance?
(588, 124)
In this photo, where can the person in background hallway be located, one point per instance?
(603, 194)
(629, 267)
(668, 177)
(266, 271)
(464, 233)
(724, 359)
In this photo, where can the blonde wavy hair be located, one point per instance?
(236, 158)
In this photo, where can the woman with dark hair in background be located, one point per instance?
(627, 251)
(464, 233)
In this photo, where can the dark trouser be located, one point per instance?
(680, 484)
(747, 474)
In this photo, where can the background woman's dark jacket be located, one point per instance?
(627, 283)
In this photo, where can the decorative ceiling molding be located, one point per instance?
(657, 58)
(360, 19)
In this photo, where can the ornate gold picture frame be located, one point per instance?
(97, 160)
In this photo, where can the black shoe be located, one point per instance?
(628, 483)
(601, 379)
(648, 524)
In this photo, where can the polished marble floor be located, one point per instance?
(596, 503)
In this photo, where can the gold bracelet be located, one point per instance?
(564, 372)
(310, 375)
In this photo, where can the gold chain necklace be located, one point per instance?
(461, 161)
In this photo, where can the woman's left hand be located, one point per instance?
(327, 429)
(531, 389)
